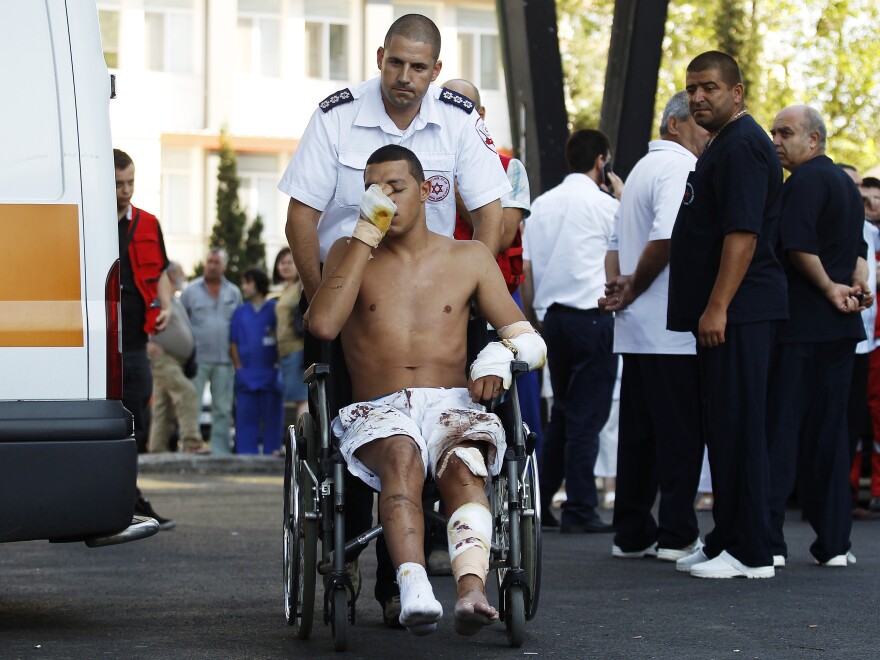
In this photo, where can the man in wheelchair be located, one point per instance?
(401, 297)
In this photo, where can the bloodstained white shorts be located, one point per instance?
(435, 418)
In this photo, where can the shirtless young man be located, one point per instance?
(400, 295)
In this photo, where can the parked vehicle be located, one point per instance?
(68, 460)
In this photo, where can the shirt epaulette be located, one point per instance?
(336, 98)
(460, 101)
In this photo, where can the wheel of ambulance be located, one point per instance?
(530, 535)
(300, 532)
(339, 619)
(515, 615)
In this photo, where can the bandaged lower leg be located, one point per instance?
(419, 610)
(469, 530)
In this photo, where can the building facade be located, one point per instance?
(185, 69)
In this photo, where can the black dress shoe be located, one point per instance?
(591, 527)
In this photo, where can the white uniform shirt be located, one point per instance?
(869, 316)
(648, 209)
(565, 240)
(451, 141)
(520, 197)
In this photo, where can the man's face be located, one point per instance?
(712, 102)
(214, 266)
(124, 187)
(406, 192)
(407, 67)
(248, 289)
(871, 197)
(794, 144)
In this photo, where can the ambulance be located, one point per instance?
(68, 460)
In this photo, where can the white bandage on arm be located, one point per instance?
(469, 531)
(376, 212)
(519, 341)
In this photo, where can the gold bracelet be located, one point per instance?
(509, 344)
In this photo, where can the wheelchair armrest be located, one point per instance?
(315, 372)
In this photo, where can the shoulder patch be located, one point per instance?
(460, 101)
(341, 97)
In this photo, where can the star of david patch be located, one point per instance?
(439, 188)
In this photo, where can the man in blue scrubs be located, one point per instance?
(824, 250)
(727, 287)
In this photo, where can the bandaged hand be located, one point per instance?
(376, 212)
(519, 341)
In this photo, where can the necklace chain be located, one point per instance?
(728, 122)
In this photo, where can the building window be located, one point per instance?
(326, 42)
(479, 52)
(108, 19)
(258, 192)
(177, 212)
(168, 27)
(259, 37)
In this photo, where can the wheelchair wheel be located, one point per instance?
(531, 533)
(300, 531)
(515, 615)
(339, 619)
(530, 530)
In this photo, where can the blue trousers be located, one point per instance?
(807, 432)
(734, 393)
(582, 372)
(660, 446)
(259, 419)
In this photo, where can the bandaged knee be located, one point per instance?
(470, 531)
(519, 341)
(470, 456)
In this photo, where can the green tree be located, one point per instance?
(820, 52)
(231, 231)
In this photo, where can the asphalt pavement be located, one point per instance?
(211, 588)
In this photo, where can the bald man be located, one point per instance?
(811, 369)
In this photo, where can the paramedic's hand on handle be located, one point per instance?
(486, 388)
(376, 213)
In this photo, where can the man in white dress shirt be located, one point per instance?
(564, 248)
(660, 442)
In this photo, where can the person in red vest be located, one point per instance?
(146, 306)
(516, 205)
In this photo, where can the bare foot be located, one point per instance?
(473, 613)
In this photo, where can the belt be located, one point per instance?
(556, 307)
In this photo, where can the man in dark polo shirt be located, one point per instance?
(727, 287)
(823, 253)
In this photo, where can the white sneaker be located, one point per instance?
(726, 565)
(684, 564)
(674, 554)
(840, 561)
(649, 552)
(778, 561)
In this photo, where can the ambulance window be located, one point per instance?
(30, 157)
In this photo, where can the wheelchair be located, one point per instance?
(314, 505)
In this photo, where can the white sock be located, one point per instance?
(417, 603)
